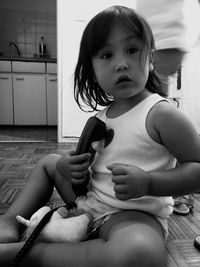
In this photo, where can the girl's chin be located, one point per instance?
(125, 95)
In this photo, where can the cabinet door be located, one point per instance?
(51, 99)
(6, 99)
(29, 99)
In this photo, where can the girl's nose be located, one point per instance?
(121, 65)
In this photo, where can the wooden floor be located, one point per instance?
(18, 159)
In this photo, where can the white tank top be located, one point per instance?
(131, 144)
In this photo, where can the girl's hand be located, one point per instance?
(129, 181)
(74, 167)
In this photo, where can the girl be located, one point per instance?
(133, 176)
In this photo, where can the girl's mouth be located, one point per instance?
(123, 78)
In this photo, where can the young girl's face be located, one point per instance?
(117, 66)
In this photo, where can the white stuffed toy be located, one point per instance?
(60, 228)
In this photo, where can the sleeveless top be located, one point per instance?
(132, 145)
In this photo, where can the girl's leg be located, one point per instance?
(8, 252)
(129, 238)
(35, 194)
(137, 238)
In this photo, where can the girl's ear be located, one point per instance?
(152, 56)
(152, 60)
(151, 67)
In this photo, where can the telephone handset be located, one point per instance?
(94, 130)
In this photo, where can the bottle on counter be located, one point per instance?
(42, 48)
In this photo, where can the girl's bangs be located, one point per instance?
(100, 32)
(101, 26)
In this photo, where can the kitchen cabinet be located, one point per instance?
(6, 99)
(51, 93)
(29, 92)
(51, 99)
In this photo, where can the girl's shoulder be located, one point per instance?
(165, 112)
(164, 115)
(174, 130)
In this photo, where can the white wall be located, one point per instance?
(71, 22)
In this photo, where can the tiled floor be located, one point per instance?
(18, 159)
(16, 162)
(28, 133)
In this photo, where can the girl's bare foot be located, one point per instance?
(9, 231)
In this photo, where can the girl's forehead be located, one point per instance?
(120, 33)
(120, 29)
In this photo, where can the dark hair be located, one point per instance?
(93, 39)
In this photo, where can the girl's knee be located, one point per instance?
(136, 248)
(135, 238)
(49, 160)
(147, 251)
(48, 164)
(140, 252)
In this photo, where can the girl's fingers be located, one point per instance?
(122, 196)
(72, 153)
(118, 179)
(120, 188)
(79, 167)
(80, 158)
(79, 180)
(117, 168)
(79, 175)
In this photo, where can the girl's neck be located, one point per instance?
(121, 106)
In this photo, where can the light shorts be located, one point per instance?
(102, 212)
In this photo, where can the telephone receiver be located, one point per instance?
(94, 130)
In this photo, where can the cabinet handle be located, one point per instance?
(20, 79)
(53, 80)
(4, 78)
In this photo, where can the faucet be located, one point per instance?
(11, 43)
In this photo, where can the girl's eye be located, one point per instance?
(106, 55)
(132, 50)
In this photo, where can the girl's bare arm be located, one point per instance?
(179, 136)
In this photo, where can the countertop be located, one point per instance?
(29, 59)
